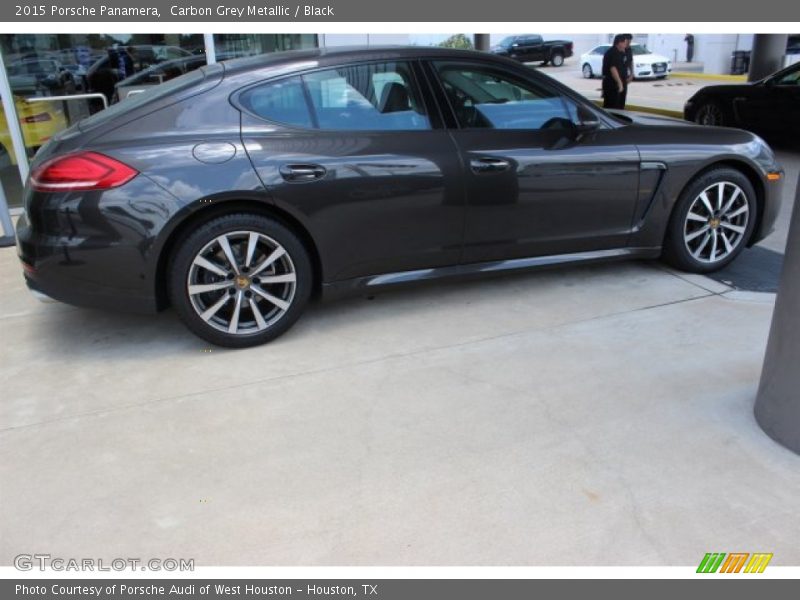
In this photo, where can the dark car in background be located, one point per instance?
(237, 191)
(770, 107)
(533, 48)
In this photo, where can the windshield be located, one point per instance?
(638, 49)
(506, 41)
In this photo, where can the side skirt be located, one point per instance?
(374, 283)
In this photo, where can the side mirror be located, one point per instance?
(587, 125)
(587, 121)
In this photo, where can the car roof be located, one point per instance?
(326, 56)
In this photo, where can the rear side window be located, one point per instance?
(367, 97)
(375, 96)
(150, 96)
(282, 101)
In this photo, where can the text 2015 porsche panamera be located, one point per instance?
(238, 191)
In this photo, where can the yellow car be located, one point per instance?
(39, 120)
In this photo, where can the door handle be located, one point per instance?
(488, 165)
(299, 173)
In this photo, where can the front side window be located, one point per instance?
(483, 97)
(375, 96)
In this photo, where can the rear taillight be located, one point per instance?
(82, 171)
(39, 118)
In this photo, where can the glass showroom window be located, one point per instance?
(110, 66)
(234, 45)
(56, 65)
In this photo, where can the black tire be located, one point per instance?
(557, 59)
(587, 71)
(290, 297)
(676, 250)
(710, 113)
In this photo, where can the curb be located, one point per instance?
(664, 112)
(710, 76)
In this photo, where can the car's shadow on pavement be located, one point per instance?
(87, 334)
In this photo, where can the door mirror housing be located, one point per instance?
(587, 121)
(587, 125)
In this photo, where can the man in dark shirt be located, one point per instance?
(615, 73)
(629, 66)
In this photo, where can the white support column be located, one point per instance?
(18, 148)
(14, 129)
(211, 50)
(8, 237)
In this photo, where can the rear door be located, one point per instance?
(357, 153)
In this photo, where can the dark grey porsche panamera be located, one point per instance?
(237, 191)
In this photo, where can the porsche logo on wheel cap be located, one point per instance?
(714, 222)
(242, 282)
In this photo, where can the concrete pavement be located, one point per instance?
(586, 416)
(597, 415)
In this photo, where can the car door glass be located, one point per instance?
(483, 97)
(792, 78)
(374, 96)
(282, 101)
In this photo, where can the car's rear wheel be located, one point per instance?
(557, 59)
(587, 71)
(712, 221)
(240, 280)
(710, 113)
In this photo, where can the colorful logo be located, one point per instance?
(714, 562)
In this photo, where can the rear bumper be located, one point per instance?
(93, 249)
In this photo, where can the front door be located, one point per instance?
(535, 187)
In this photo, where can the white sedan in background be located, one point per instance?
(646, 65)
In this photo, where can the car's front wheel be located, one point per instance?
(712, 221)
(710, 113)
(240, 280)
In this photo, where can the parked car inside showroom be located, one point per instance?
(238, 191)
(646, 64)
(769, 107)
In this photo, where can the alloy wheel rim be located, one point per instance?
(716, 223)
(241, 282)
(709, 115)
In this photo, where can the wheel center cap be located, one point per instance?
(242, 282)
(714, 222)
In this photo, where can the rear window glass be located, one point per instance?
(282, 101)
(150, 95)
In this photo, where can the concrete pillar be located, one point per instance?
(481, 41)
(767, 54)
(777, 406)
